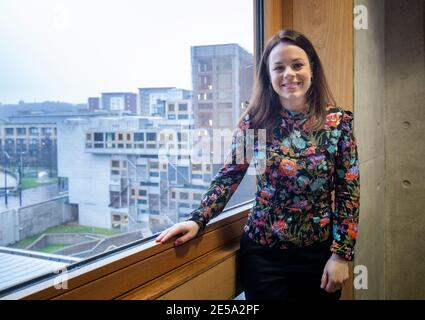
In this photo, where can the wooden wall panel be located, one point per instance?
(272, 18)
(329, 25)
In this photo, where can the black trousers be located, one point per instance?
(276, 274)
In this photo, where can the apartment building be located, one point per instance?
(222, 83)
(152, 101)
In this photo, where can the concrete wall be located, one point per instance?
(88, 175)
(405, 149)
(37, 218)
(389, 82)
(369, 106)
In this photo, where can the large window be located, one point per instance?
(93, 86)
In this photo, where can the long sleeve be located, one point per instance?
(225, 181)
(347, 191)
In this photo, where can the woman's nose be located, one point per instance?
(289, 72)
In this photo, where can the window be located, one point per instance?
(46, 131)
(98, 136)
(182, 106)
(151, 136)
(205, 106)
(110, 136)
(225, 81)
(21, 131)
(138, 136)
(204, 65)
(184, 196)
(106, 145)
(33, 131)
(224, 64)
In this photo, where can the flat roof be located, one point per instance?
(18, 266)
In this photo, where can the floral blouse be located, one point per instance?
(293, 201)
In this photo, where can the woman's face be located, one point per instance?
(290, 75)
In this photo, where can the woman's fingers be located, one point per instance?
(169, 233)
(187, 230)
(324, 282)
(186, 237)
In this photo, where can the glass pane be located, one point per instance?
(103, 102)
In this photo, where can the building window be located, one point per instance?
(205, 65)
(151, 136)
(98, 136)
(184, 195)
(46, 131)
(182, 106)
(224, 64)
(33, 131)
(205, 106)
(138, 136)
(9, 131)
(21, 131)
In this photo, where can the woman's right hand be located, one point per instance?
(187, 229)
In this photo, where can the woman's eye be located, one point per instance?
(298, 65)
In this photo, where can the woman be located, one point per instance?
(295, 245)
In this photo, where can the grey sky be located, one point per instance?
(68, 50)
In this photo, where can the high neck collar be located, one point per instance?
(293, 115)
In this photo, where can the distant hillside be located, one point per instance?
(47, 107)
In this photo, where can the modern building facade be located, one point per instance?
(119, 102)
(152, 101)
(222, 77)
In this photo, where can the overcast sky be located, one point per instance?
(68, 50)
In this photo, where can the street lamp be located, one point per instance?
(20, 178)
(6, 157)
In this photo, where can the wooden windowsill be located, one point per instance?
(157, 267)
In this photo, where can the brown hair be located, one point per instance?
(264, 106)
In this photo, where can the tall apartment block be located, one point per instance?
(222, 77)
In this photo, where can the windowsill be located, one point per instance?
(144, 264)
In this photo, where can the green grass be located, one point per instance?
(28, 183)
(64, 228)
